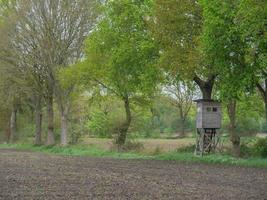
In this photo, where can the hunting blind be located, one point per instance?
(207, 123)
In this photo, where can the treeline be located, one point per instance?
(74, 56)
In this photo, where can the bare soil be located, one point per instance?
(27, 175)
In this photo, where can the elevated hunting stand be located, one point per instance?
(207, 123)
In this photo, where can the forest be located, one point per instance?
(72, 70)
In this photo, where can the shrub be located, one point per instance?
(245, 150)
(260, 147)
(98, 125)
(248, 126)
(76, 133)
(264, 127)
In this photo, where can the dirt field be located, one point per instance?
(26, 175)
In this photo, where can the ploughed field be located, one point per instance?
(27, 175)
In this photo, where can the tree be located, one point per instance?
(13, 89)
(120, 56)
(223, 46)
(13, 84)
(253, 27)
(50, 36)
(177, 26)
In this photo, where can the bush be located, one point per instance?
(98, 125)
(264, 127)
(260, 147)
(245, 150)
(248, 126)
(76, 133)
(256, 147)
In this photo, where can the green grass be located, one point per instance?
(74, 151)
(214, 159)
(175, 156)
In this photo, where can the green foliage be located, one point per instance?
(176, 25)
(76, 133)
(264, 126)
(254, 147)
(245, 150)
(120, 52)
(120, 58)
(252, 23)
(260, 147)
(143, 123)
(248, 126)
(223, 46)
(98, 125)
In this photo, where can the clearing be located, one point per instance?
(27, 175)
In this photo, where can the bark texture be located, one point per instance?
(263, 91)
(206, 87)
(13, 125)
(64, 129)
(125, 126)
(38, 121)
(235, 138)
(50, 118)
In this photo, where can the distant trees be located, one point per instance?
(181, 94)
(13, 83)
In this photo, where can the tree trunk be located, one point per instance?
(38, 121)
(263, 93)
(182, 121)
(265, 98)
(50, 115)
(206, 91)
(13, 125)
(205, 86)
(265, 106)
(7, 132)
(234, 137)
(125, 126)
(182, 128)
(64, 129)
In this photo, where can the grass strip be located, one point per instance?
(78, 150)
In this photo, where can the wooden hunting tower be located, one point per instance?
(208, 120)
